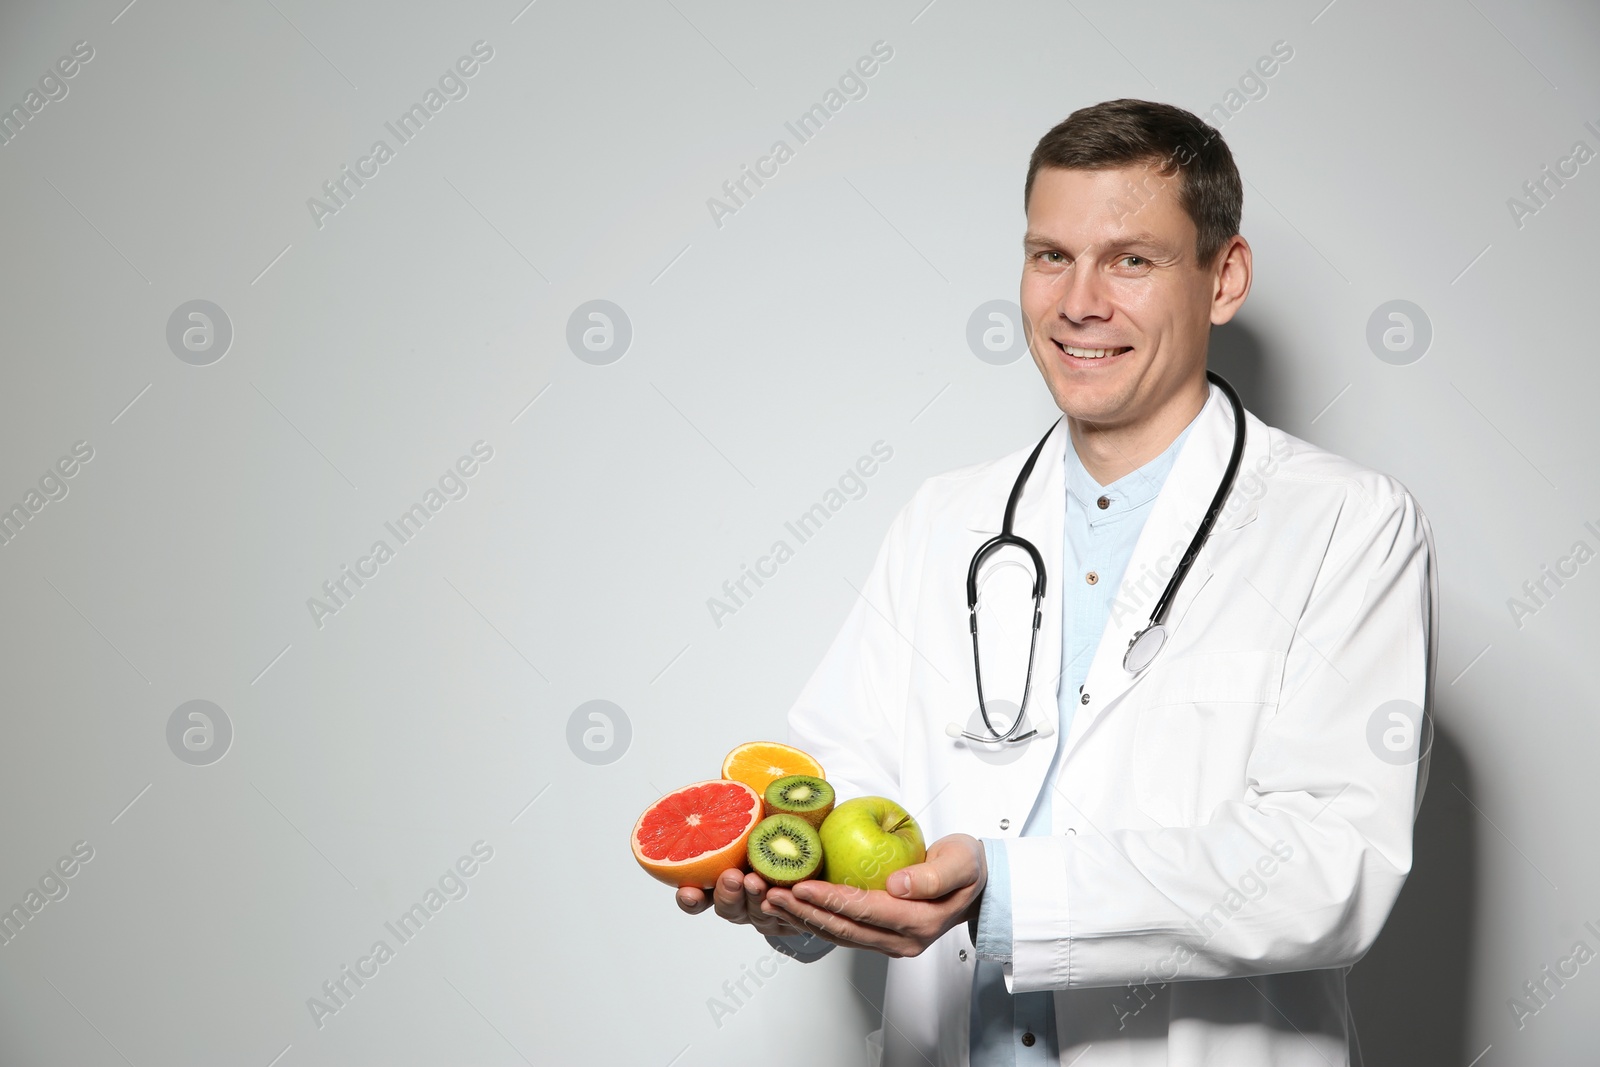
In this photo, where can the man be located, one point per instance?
(1182, 865)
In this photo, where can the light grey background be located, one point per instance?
(767, 354)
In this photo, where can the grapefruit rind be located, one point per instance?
(687, 856)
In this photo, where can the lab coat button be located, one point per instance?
(1085, 699)
(1005, 824)
(1072, 830)
(962, 955)
(1027, 1039)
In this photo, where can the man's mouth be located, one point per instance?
(1087, 354)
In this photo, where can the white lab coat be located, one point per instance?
(1227, 839)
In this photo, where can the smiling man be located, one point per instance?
(1177, 859)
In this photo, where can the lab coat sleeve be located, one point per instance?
(1300, 872)
(850, 714)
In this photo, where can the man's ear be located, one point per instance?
(1230, 279)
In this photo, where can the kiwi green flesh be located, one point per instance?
(799, 793)
(784, 849)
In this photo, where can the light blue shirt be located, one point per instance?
(1101, 529)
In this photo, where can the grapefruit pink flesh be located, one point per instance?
(693, 834)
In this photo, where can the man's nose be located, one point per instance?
(1082, 294)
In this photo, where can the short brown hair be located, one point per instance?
(1117, 133)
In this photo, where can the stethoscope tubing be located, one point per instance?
(1155, 628)
(994, 544)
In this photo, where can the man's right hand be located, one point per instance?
(738, 898)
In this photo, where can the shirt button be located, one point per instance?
(1103, 503)
(1027, 1039)
(1005, 824)
(1085, 699)
(1091, 577)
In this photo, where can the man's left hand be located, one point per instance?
(919, 904)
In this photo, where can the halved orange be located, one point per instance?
(693, 834)
(760, 763)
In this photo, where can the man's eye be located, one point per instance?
(1047, 254)
(1140, 260)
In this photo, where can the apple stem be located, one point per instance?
(898, 823)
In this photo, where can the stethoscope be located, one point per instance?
(1144, 645)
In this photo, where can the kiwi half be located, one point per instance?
(804, 795)
(785, 849)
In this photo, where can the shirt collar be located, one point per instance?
(1132, 490)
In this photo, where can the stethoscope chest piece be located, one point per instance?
(1143, 648)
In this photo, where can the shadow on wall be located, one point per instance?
(1239, 355)
(1409, 993)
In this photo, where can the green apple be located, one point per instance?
(866, 839)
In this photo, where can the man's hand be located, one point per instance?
(738, 898)
(922, 902)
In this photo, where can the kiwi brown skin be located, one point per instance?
(771, 842)
(813, 811)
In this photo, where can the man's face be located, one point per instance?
(1105, 270)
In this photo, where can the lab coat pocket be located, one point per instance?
(1198, 717)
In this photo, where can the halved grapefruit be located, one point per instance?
(693, 834)
(760, 763)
